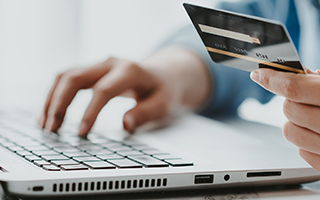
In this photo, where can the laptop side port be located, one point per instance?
(263, 174)
(203, 179)
(37, 188)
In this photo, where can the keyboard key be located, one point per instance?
(55, 158)
(66, 149)
(74, 167)
(8, 144)
(137, 145)
(2, 140)
(125, 163)
(51, 168)
(39, 147)
(33, 158)
(179, 163)
(143, 148)
(154, 152)
(54, 144)
(45, 153)
(167, 157)
(104, 153)
(100, 165)
(100, 141)
(15, 148)
(149, 161)
(99, 151)
(41, 163)
(76, 154)
(89, 147)
(130, 153)
(110, 157)
(64, 162)
(120, 148)
(86, 159)
(111, 145)
(28, 143)
(24, 153)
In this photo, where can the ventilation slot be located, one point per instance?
(108, 185)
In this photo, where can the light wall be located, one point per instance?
(39, 39)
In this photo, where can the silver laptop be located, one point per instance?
(192, 153)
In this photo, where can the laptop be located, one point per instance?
(192, 153)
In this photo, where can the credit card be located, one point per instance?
(245, 42)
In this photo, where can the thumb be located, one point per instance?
(154, 107)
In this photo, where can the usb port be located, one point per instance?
(203, 179)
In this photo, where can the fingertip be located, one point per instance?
(84, 136)
(41, 121)
(84, 129)
(255, 76)
(129, 123)
(48, 125)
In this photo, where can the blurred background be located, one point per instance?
(39, 39)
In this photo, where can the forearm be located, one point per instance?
(184, 73)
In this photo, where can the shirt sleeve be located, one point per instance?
(230, 87)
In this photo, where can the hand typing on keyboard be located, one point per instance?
(168, 78)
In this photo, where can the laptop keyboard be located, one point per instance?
(68, 152)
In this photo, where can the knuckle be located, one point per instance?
(73, 78)
(290, 89)
(287, 108)
(286, 130)
(291, 133)
(131, 67)
(164, 108)
(111, 59)
(101, 90)
(308, 157)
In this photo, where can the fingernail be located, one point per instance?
(129, 123)
(255, 76)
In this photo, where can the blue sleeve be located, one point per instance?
(230, 87)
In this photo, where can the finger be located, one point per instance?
(154, 107)
(296, 87)
(302, 115)
(308, 71)
(43, 118)
(112, 84)
(302, 137)
(70, 83)
(312, 158)
(62, 97)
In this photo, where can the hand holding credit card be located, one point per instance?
(245, 42)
